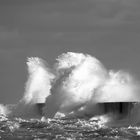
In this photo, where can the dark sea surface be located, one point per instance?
(64, 129)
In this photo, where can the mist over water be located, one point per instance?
(74, 86)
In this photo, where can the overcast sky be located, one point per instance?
(106, 29)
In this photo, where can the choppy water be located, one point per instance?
(64, 129)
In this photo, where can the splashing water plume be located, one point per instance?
(39, 81)
(77, 84)
(37, 88)
(78, 75)
(119, 87)
(4, 110)
(82, 82)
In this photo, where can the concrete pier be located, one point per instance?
(121, 109)
(118, 109)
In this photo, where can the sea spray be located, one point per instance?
(4, 110)
(39, 81)
(75, 86)
(78, 77)
(82, 82)
(36, 90)
(119, 87)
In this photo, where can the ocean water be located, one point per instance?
(64, 129)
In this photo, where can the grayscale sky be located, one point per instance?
(106, 29)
